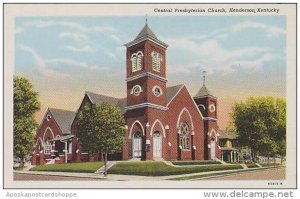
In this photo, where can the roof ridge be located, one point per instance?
(59, 109)
(103, 95)
(175, 85)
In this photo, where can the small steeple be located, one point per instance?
(203, 92)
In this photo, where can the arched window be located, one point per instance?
(137, 61)
(184, 137)
(40, 145)
(48, 147)
(156, 59)
(137, 134)
(133, 62)
(136, 90)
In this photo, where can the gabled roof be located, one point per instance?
(63, 118)
(226, 135)
(99, 99)
(172, 92)
(203, 92)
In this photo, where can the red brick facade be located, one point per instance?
(169, 125)
(148, 113)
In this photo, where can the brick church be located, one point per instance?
(162, 123)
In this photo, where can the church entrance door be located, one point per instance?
(157, 145)
(137, 145)
(212, 149)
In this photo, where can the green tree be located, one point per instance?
(260, 124)
(26, 104)
(101, 128)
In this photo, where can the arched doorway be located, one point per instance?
(157, 145)
(212, 149)
(137, 145)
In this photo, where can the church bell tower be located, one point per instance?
(207, 104)
(146, 91)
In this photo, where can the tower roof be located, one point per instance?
(146, 34)
(203, 92)
(146, 31)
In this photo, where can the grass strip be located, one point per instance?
(161, 169)
(185, 163)
(82, 167)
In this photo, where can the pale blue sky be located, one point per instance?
(64, 56)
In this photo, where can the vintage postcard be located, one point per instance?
(150, 96)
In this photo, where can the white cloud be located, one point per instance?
(41, 63)
(44, 64)
(213, 57)
(115, 38)
(71, 25)
(247, 25)
(74, 36)
(197, 37)
(222, 36)
(270, 31)
(73, 63)
(85, 48)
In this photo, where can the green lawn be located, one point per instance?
(161, 169)
(195, 162)
(19, 168)
(83, 167)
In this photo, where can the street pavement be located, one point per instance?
(269, 174)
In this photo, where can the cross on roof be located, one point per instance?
(204, 72)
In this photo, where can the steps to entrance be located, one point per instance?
(50, 161)
(102, 169)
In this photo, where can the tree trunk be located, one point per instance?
(105, 164)
(22, 162)
(281, 159)
(253, 155)
(268, 160)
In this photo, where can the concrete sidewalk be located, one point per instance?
(115, 177)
